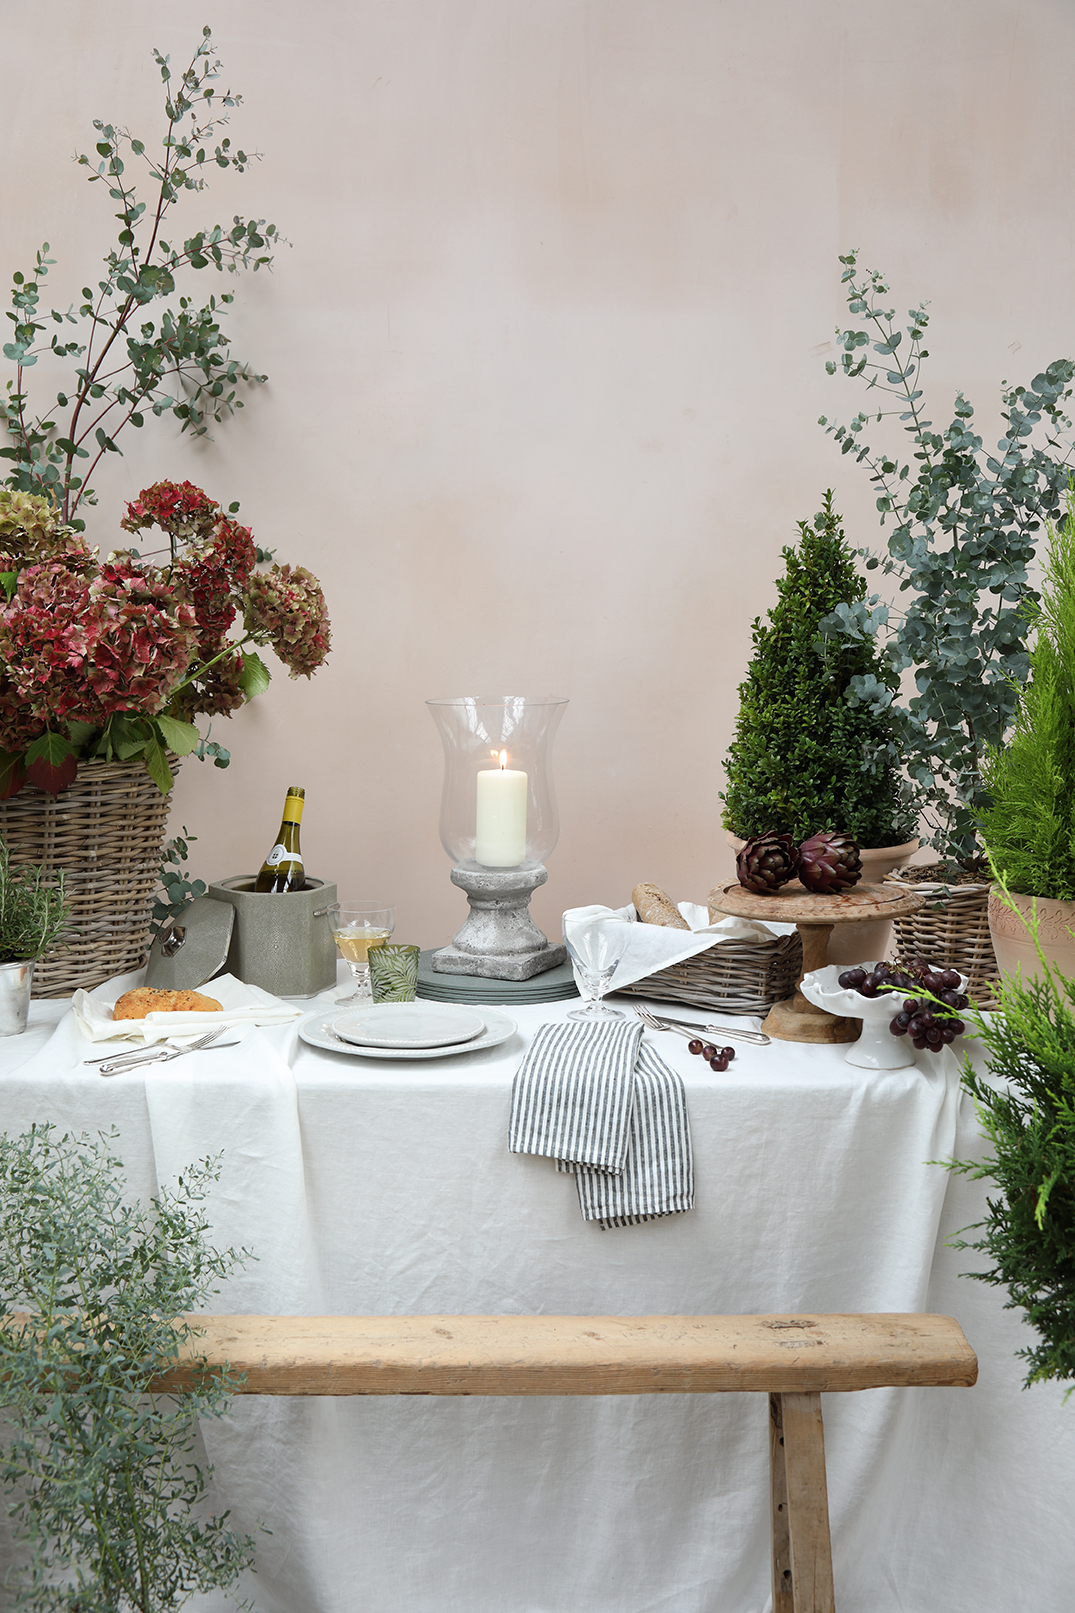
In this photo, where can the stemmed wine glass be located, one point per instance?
(357, 926)
(595, 948)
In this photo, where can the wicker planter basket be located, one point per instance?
(106, 831)
(734, 977)
(951, 931)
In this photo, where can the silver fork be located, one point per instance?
(113, 1063)
(692, 1030)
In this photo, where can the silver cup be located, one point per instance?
(15, 982)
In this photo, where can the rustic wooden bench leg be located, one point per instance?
(799, 1496)
(783, 1600)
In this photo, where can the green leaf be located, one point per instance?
(255, 677)
(51, 762)
(8, 581)
(157, 765)
(124, 738)
(180, 737)
(79, 733)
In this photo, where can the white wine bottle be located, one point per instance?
(282, 869)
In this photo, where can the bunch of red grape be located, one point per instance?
(718, 1058)
(922, 1020)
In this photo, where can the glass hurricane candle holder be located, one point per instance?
(498, 822)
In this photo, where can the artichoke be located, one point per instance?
(829, 863)
(767, 862)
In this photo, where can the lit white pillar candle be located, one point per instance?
(500, 829)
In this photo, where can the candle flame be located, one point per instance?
(503, 758)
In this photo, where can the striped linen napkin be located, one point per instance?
(612, 1114)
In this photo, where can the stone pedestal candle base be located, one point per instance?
(499, 939)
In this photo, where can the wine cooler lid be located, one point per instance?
(192, 948)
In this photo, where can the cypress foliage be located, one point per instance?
(1027, 1111)
(809, 754)
(1029, 828)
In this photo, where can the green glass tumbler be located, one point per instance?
(394, 973)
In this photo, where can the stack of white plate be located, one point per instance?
(552, 986)
(406, 1030)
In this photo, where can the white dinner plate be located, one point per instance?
(316, 1030)
(408, 1025)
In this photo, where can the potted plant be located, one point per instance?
(814, 747)
(33, 913)
(104, 664)
(1029, 822)
(965, 525)
(1026, 1105)
(102, 1470)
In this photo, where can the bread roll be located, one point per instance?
(145, 1000)
(654, 907)
(715, 894)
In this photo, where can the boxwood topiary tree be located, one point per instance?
(808, 753)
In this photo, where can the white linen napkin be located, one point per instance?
(649, 947)
(240, 1005)
(612, 1114)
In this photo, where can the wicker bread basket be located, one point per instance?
(105, 831)
(734, 977)
(952, 932)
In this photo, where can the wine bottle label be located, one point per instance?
(279, 854)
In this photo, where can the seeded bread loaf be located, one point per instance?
(715, 895)
(145, 1000)
(654, 907)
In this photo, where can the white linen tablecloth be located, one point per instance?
(378, 1186)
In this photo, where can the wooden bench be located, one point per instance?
(793, 1359)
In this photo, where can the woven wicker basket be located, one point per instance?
(735, 977)
(952, 932)
(106, 831)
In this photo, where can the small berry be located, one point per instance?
(695, 1046)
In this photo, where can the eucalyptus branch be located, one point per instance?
(964, 536)
(185, 340)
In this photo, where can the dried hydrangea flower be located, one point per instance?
(82, 648)
(285, 608)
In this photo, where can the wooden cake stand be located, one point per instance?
(794, 1019)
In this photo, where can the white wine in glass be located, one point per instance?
(357, 926)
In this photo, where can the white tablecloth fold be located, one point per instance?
(236, 1105)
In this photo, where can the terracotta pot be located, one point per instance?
(858, 943)
(1011, 940)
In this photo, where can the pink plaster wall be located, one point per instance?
(546, 359)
